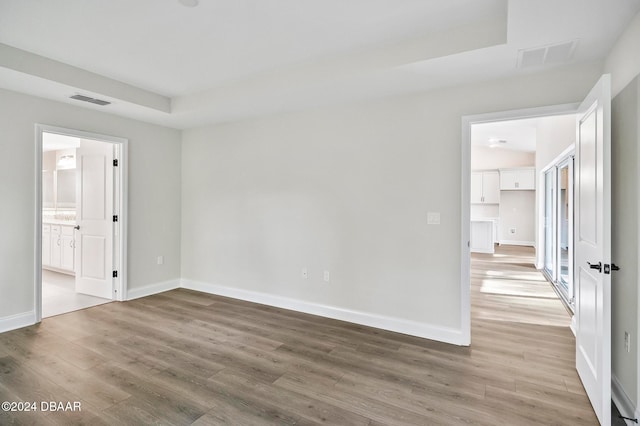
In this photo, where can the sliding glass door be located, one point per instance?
(558, 227)
(565, 226)
(549, 221)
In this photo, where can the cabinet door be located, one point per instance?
(56, 246)
(527, 179)
(67, 252)
(508, 180)
(46, 245)
(491, 187)
(476, 187)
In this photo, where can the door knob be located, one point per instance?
(597, 266)
(77, 227)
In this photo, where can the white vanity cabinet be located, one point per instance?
(67, 246)
(46, 244)
(58, 247)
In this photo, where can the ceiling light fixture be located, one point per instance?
(189, 3)
(493, 143)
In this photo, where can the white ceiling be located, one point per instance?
(520, 135)
(232, 59)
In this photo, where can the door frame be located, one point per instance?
(465, 201)
(120, 204)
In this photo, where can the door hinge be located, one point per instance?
(115, 162)
(115, 274)
(115, 217)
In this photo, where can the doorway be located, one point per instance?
(506, 231)
(80, 219)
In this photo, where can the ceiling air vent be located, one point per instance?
(551, 54)
(91, 100)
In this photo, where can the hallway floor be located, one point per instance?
(508, 293)
(59, 295)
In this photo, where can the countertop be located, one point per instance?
(58, 222)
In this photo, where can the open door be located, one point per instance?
(593, 247)
(94, 217)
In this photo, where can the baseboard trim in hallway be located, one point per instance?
(399, 325)
(13, 322)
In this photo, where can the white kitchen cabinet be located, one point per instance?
(521, 179)
(58, 248)
(482, 236)
(485, 187)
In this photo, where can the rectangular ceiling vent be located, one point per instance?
(91, 100)
(546, 55)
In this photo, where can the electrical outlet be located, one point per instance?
(512, 230)
(305, 273)
(627, 341)
(160, 260)
(326, 276)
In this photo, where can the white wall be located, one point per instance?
(154, 193)
(625, 156)
(623, 62)
(347, 190)
(483, 157)
(553, 136)
(517, 211)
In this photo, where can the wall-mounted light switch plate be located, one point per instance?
(433, 218)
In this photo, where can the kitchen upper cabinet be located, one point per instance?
(522, 179)
(485, 187)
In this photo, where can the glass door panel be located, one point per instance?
(549, 222)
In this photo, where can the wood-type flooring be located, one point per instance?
(184, 357)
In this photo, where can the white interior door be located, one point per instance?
(593, 247)
(94, 216)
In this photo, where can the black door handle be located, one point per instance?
(615, 267)
(597, 266)
(77, 227)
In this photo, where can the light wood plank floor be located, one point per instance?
(184, 357)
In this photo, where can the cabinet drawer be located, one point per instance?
(67, 230)
(55, 229)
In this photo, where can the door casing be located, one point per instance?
(120, 206)
(465, 202)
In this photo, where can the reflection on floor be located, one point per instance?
(59, 295)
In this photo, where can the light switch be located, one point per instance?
(433, 218)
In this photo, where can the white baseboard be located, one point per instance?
(621, 399)
(572, 326)
(517, 243)
(399, 325)
(148, 290)
(17, 321)
(482, 250)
